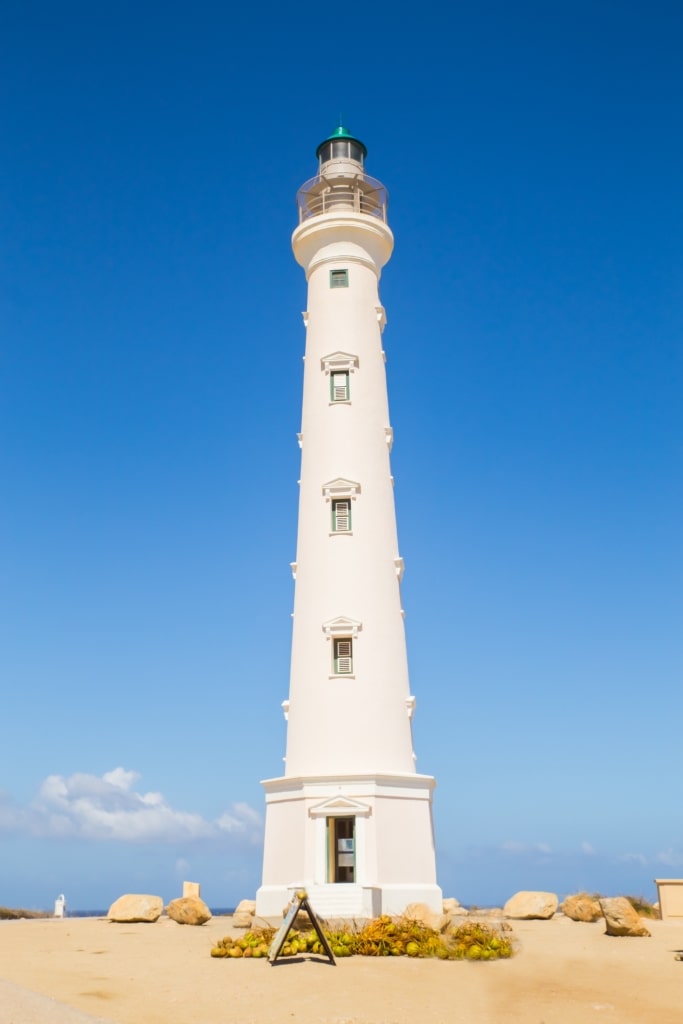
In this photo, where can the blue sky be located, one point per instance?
(150, 388)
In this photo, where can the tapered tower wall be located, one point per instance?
(349, 737)
(343, 724)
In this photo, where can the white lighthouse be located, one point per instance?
(350, 818)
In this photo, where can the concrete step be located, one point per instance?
(342, 900)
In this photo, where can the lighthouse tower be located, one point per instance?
(350, 819)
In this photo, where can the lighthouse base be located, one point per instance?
(348, 901)
(360, 845)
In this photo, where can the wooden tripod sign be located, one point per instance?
(299, 902)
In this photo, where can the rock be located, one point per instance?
(136, 907)
(581, 907)
(526, 906)
(422, 913)
(338, 924)
(490, 919)
(458, 912)
(621, 918)
(301, 923)
(244, 914)
(189, 910)
(454, 908)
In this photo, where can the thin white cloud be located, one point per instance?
(633, 858)
(588, 849)
(108, 807)
(513, 846)
(670, 857)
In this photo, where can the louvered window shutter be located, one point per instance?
(339, 384)
(339, 279)
(341, 516)
(343, 658)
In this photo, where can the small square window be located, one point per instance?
(339, 386)
(339, 279)
(341, 515)
(343, 656)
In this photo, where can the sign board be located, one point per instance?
(299, 902)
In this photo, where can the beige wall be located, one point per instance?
(284, 841)
(670, 892)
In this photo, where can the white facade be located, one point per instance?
(350, 819)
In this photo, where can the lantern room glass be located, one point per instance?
(341, 149)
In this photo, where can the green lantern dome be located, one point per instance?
(350, 145)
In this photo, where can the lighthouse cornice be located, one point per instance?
(352, 237)
(286, 786)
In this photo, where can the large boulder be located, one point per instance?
(581, 907)
(136, 907)
(421, 913)
(453, 908)
(244, 914)
(189, 910)
(527, 906)
(621, 918)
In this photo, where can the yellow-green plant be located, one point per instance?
(384, 936)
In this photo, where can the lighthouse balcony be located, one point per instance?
(360, 194)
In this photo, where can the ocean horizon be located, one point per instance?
(215, 912)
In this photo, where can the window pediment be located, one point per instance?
(339, 361)
(341, 488)
(342, 626)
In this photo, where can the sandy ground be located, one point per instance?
(76, 970)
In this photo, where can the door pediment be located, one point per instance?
(340, 806)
